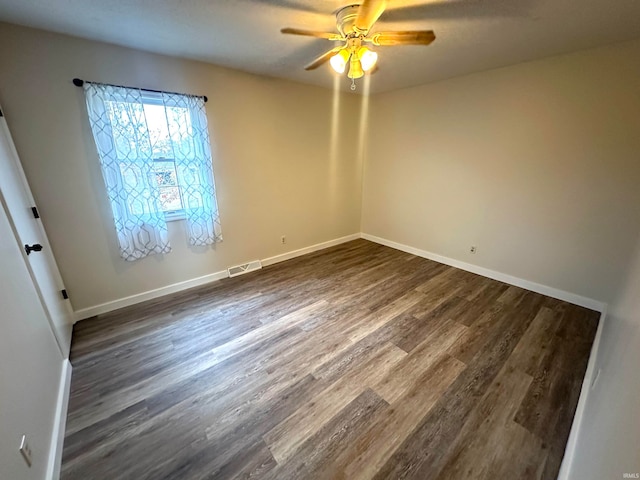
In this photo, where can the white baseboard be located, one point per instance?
(148, 295)
(587, 384)
(502, 277)
(57, 437)
(313, 248)
(196, 282)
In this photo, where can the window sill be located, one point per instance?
(174, 216)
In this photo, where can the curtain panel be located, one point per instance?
(119, 127)
(194, 167)
(128, 149)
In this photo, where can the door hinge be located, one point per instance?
(35, 212)
(64, 294)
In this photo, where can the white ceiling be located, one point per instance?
(472, 35)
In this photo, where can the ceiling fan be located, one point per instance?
(354, 23)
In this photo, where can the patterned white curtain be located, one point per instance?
(121, 134)
(137, 132)
(189, 134)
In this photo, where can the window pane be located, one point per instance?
(164, 139)
(166, 178)
(165, 172)
(170, 198)
(158, 131)
(179, 124)
(127, 127)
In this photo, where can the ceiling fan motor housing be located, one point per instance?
(345, 19)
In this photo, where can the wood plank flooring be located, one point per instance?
(355, 362)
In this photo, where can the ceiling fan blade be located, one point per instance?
(418, 37)
(324, 58)
(311, 33)
(368, 14)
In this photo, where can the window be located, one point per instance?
(164, 173)
(156, 163)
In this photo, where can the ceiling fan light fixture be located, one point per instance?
(355, 68)
(367, 58)
(339, 60)
(354, 24)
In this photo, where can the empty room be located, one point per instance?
(309, 240)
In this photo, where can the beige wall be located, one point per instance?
(277, 170)
(537, 164)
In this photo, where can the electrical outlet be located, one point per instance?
(473, 249)
(25, 450)
(283, 239)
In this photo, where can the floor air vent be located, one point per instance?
(247, 267)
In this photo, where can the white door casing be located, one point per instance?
(42, 265)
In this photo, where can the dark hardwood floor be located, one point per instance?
(358, 361)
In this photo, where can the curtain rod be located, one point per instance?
(78, 83)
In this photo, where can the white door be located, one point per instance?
(30, 367)
(41, 263)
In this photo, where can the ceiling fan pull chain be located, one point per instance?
(353, 84)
